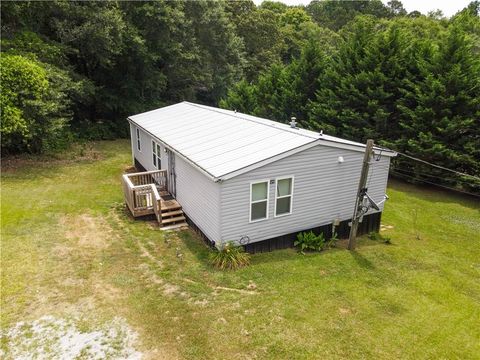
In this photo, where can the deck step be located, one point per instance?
(166, 209)
(171, 213)
(169, 205)
(173, 220)
(179, 226)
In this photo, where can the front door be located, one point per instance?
(171, 173)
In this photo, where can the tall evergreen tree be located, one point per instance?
(242, 97)
(282, 91)
(442, 122)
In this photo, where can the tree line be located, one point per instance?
(355, 69)
(410, 82)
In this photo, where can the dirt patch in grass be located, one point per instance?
(201, 303)
(241, 291)
(145, 253)
(344, 311)
(170, 289)
(384, 227)
(52, 301)
(157, 354)
(61, 301)
(57, 338)
(78, 286)
(106, 292)
(88, 231)
(149, 275)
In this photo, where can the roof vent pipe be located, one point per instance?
(293, 122)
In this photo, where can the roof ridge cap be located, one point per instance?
(210, 108)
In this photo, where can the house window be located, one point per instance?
(157, 162)
(283, 196)
(259, 200)
(138, 140)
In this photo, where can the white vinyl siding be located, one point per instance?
(145, 157)
(198, 195)
(323, 190)
(283, 196)
(259, 191)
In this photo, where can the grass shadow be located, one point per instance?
(362, 261)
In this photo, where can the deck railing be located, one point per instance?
(158, 177)
(141, 192)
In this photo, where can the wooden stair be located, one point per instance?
(172, 216)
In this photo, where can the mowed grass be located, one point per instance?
(70, 250)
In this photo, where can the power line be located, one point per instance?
(434, 165)
(432, 183)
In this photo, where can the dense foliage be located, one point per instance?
(412, 83)
(356, 69)
(121, 58)
(308, 241)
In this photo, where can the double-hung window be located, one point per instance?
(157, 162)
(259, 200)
(138, 140)
(283, 196)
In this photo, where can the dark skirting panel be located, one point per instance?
(370, 223)
(139, 166)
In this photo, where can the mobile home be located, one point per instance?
(241, 178)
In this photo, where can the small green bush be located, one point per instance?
(230, 256)
(332, 242)
(308, 241)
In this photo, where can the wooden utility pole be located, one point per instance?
(360, 194)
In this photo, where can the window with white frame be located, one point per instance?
(283, 196)
(138, 140)
(157, 162)
(259, 200)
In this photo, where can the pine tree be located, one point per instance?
(242, 97)
(350, 101)
(441, 113)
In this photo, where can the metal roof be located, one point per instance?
(224, 143)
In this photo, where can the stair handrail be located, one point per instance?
(157, 204)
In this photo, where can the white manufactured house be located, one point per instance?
(236, 177)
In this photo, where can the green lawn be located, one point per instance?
(69, 250)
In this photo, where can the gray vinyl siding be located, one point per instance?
(145, 155)
(323, 190)
(198, 195)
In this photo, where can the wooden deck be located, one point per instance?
(146, 194)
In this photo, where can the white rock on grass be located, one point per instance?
(53, 338)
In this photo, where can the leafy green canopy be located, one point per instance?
(124, 57)
(34, 104)
(410, 83)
